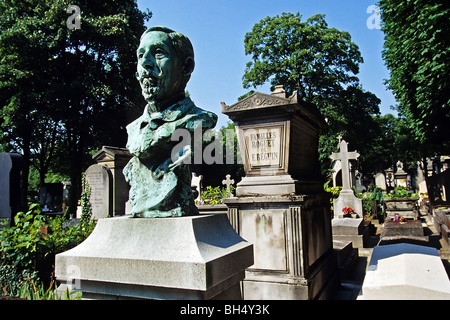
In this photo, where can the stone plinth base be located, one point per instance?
(350, 229)
(293, 250)
(195, 257)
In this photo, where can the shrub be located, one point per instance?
(215, 195)
(28, 248)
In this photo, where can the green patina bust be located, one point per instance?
(160, 185)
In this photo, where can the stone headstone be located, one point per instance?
(280, 205)
(51, 197)
(380, 181)
(346, 197)
(11, 200)
(99, 178)
(115, 159)
(405, 272)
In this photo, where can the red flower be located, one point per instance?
(348, 210)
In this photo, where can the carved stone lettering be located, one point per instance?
(263, 146)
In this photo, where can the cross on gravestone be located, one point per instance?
(345, 156)
(346, 197)
(228, 182)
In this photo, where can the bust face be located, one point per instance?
(159, 68)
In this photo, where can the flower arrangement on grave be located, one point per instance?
(398, 218)
(348, 211)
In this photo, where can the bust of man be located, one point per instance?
(160, 186)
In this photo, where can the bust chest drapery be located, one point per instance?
(160, 187)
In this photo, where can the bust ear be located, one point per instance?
(189, 65)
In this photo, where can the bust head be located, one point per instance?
(165, 63)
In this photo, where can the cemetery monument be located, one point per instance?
(280, 205)
(164, 250)
(346, 197)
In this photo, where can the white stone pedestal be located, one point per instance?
(293, 247)
(195, 257)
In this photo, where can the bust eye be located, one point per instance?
(159, 53)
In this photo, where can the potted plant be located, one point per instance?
(401, 202)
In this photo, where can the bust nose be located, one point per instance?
(148, 62)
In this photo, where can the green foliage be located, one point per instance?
(65, 91)
(213, 174)
(372, 201)
(27, 247)
(215, 195)
(401, 192)
(335, 191)
(416, 51)
(86, 208)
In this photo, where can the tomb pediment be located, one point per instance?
(259, 100)
(110, 154)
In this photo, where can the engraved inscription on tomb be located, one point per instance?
(263, 146)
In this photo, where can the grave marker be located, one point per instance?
(346, 197)
(228, 182)
(99, 179)
(280, 205)
(11, 200)
(115, 159)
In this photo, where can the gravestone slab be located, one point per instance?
(99, 178)
(405, 272)
(408, 231)
(115, 159)
(380, 180)
(11, 200)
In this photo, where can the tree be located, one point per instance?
(80, 81)
(321, 63)
(305, 56)
(416, 51)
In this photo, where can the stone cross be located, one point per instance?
(345, 156)
(228, 182)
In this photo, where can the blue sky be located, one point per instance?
(217, 29)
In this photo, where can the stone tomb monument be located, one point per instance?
(11, 200)
(280, 205)
(164, 250)
(115, 159)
